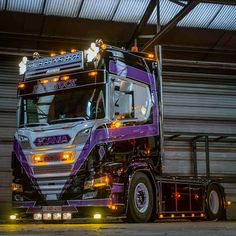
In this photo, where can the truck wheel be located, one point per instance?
(140, 199)
(214, 203)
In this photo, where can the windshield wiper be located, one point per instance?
(61, 120)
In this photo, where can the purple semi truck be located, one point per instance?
(89, 143)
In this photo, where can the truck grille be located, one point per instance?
(56, 169)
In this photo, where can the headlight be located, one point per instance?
(45, 159)
(82, 137)
(68, 157)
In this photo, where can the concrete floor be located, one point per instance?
(122, 229)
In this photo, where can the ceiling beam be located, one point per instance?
(143, 22)
(169, 26)
(224, 2)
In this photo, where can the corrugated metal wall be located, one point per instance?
(192, 104)
(8, 102)
(204, 104)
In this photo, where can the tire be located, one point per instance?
(214, 207)
(140, 199)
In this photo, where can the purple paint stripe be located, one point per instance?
(117, 188)
(22, 159)
(110, 135)
(90, 202)
(131, 72)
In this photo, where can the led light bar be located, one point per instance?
(37, 216)
(47, 216)
(66, 216)
(51, 65)
(56, 216)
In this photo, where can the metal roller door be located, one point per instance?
(8, 102)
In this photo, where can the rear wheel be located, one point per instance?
(215, 207)
(140, 199)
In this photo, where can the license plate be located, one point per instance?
(51, 208)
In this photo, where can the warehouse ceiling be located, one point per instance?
(190, 30)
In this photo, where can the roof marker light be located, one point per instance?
(73, 50)
(134, 49)
(150, 55)
(103, 46)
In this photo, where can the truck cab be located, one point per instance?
(89, 142)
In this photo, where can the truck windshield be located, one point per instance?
(67, 106)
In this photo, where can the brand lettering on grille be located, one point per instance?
(52, 140)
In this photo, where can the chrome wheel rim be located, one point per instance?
(214, 202)
(141, 197)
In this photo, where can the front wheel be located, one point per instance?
(140, 199)
(215, 207)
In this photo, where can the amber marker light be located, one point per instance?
(44, 81)
(228, 203)
(103, 46)
(53, 54)
(21, 86)
(38, 159)
(183, 215)
(73, 50)
(172, 216)
(68, 157)
(93, 73)
(150, 55)
(116, 125)
(65, 78)
(55, 79)
(16, 187)
(113, 207)
(202, 215)
(62, 52)
(161, 216)
(101, 181)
